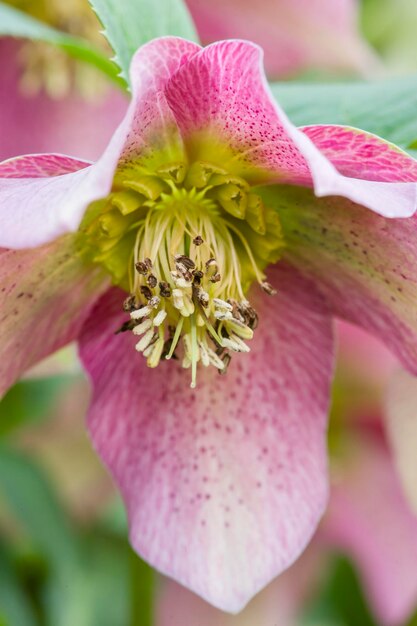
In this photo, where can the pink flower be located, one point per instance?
(38, 123)
(297, 35)
(204, 184)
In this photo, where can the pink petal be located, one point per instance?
(297, 35)
(69, 125)
(46, 295)
(401, 414)
(225, 484)
(33, 212)
(365, 357)
(369, 518)
(377, 163)
(280, 604)
(221, 101)
(364, 264)
(40, 166)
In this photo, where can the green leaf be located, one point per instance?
(98, 589)
(15, 609)
(387, 108)
(26, 490)
(341, 602)
(30, 401)
(128, 24)
(15, 23)
(142, 592)
(87, 574)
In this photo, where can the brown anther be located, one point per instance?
(211, 263)
(236, 311)
(184, 271)
(226, 358)
(268, 288)
(197, 276)
(164, 289)
(142, 268)
(145, 291)
(203, 297)
(249, 314)
(185, 260)
(152, 281)
(216, 278)
(129, 304)
(197, 241)
(129, 325)
(148, 263)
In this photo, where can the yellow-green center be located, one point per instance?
(186, 242)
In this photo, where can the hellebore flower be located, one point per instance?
(39, 123)
(204, 184)
(48, 100)
(296, 35)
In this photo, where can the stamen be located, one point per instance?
(191, 256)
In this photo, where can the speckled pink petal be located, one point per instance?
(40, 166)
(364, 264)
(401, 421)
(33, 212)
(297, 35)
(37, 123)
(34, 207)
(221, 94)
(224, 484)
(377, 163)
(46, 295)
(150, 124)
(368, 517)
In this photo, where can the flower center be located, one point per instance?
(186, 242)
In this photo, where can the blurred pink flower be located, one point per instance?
(39, 123)
(297, 35)
(225, 485)
(369, 519)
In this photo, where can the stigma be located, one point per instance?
(186, 242)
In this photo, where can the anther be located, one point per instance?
(226, 358)
(129, 304)
(141, 268)
(154, 302)
(197, 241)
(159, 317)
(184, 260)
(148, 263)
(268, 288)
(197, 276)
(129, 325)
(186, 274)
(145, 291)
(144, 342)
(211, 264)
(152, 281)
(222, 304)
(142, 327)
(216, 278)
(203, 297)
(164, 289)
